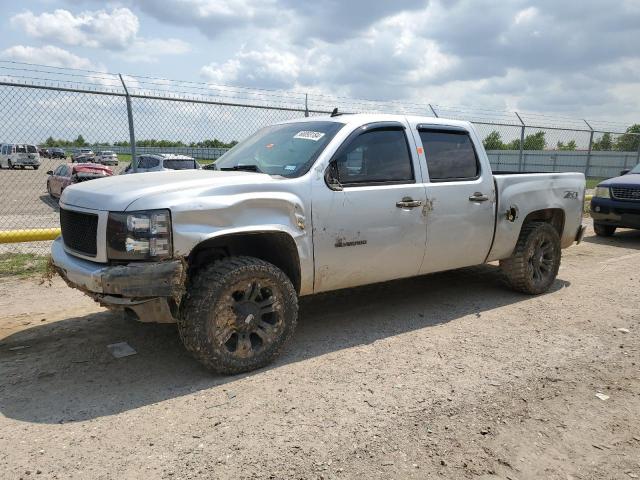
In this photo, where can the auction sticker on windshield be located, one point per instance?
(308, 135)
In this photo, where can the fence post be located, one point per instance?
(306, 104)
(132, 135)
(521, 158)
(587, 169)
(638, 155)
(433, 111)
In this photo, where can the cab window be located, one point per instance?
(376, 156)
(450, 155)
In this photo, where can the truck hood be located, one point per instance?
(628, 179)
(119, 192)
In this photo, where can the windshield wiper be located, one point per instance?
(244, 168)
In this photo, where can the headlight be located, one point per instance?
(602, 192)
(144, 235)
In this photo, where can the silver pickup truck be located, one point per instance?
(302, 207)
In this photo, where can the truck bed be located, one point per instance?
(531, 192)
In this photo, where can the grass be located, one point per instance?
(23, 265)
(593, 182)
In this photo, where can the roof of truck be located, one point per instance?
(362, 118)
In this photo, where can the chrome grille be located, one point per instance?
(626, 193)
(79, 231)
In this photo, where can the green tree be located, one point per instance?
(570, 146)
(80, 141)
(630, 140)
(493, 141)
(535, 141)
(604, 144)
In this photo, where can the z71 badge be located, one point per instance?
(571, 195)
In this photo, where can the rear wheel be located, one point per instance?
(604, 230)
(238, 314)
(534, 264)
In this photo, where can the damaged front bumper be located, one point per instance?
(151, 290)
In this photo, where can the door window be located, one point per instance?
(143, 162)
(377, 156)
(450, 155)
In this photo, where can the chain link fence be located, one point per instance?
(70, 109)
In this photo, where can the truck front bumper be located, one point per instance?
(149, 289)
(617, 213)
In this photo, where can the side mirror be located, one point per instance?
(49, 172)
(331, 177)
(625, 171)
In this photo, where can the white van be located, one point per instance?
(19, 155)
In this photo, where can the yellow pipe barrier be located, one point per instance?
(32, 235)
(587, 198)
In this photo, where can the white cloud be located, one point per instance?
(525, 15)
(47, 55)
(148, 50)
(280, 69)
(114, 30)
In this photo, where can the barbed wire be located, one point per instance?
(97, 80)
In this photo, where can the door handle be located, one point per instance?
(478, 197)
(408, 202)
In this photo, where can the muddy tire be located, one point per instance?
(237, 314)
(534, 264)
(604, 230)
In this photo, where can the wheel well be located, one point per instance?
(277, 248)
(553, 216)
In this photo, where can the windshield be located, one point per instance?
(180, 163)
(21, 149)
(32, 149)
(635, 169)
(288, 149)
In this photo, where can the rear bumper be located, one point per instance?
(144, 287)
(617, 213)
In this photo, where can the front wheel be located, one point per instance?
(237, 314)
(534, 264)
(604, 230)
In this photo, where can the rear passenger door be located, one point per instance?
(369, 227)
(461, 198)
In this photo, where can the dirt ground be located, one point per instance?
(444, 376)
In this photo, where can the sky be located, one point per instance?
(576, 58)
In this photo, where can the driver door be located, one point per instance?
(370, 227)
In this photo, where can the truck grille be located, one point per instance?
(626, 193)
(79, 231)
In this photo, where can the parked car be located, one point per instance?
(107, 157)
(226, 253)
(56, 152)
(163, 162)
(19, 156)
(616, 203)
(43, 152)
(68, 174)
(82, 155)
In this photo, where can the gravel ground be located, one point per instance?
(444, 376)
